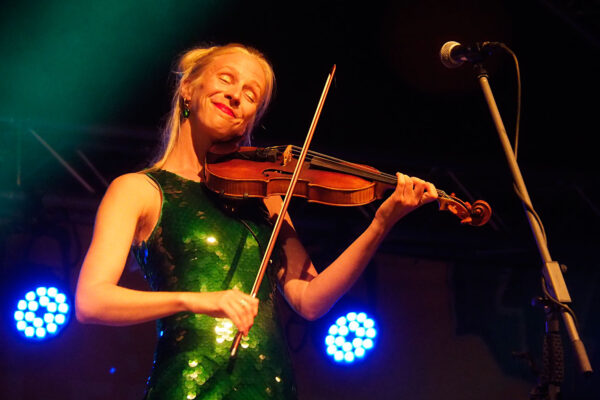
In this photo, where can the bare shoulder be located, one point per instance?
(133, 185)
(134, 181)
(134, 191)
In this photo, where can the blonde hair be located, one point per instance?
(190, 66)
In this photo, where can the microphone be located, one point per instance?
(454, 54)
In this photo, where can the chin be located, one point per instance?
(229, 138)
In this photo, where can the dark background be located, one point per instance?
(93, 81)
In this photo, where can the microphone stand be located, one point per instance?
(555, 288)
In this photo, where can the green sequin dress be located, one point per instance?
(202, 243)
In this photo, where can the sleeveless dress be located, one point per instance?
(204, 243)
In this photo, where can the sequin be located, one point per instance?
(198, 245)
(211, 240)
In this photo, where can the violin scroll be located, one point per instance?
(477, 214)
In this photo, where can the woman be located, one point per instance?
(200, 253)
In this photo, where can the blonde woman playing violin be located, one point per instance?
(200, 253)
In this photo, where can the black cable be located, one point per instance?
(529, 208)
(527, 205)
(260, 248)
(519, 103)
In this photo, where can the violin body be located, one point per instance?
(258, 172)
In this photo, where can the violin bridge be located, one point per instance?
(287, 155)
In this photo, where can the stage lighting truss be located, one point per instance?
(351, 337)
(42, 313)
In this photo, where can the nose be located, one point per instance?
(233, 95)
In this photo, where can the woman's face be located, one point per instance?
(226, 97)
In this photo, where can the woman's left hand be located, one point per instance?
(410, 193)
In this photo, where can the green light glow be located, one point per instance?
(68, 64)
(79, 62)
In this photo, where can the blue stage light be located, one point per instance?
(42, 313)
(351, 337)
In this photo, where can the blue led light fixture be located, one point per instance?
(351, 337)
(42, 313)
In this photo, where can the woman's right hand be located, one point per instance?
(239, 307)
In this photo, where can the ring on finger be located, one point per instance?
(243, 302)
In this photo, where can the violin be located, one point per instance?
(253, 172)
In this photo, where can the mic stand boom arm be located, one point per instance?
(552, 273)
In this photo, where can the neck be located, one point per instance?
(188, 154)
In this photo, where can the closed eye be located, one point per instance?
(225, 78)
(251, 96)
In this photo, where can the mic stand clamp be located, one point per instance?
(553, 281)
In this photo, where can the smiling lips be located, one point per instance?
(225, 109)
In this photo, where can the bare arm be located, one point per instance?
(312, 294)
(126, 206)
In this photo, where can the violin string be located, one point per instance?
(350, 168)
(387, 178)
(311, 153)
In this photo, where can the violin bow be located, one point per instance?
(284, 206)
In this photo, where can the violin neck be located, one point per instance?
(362, 172)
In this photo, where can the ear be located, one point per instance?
(186, 89)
